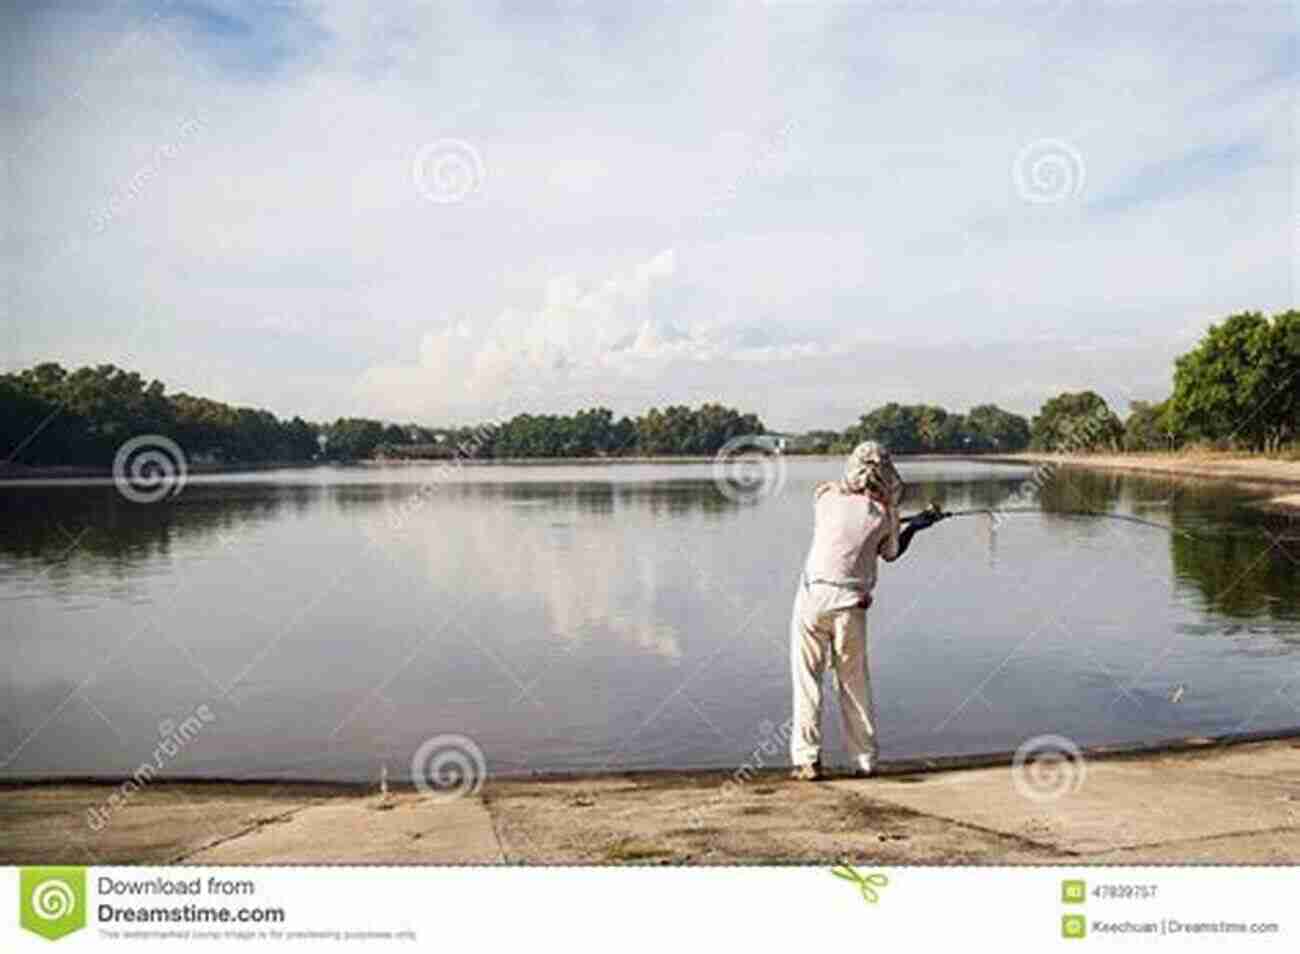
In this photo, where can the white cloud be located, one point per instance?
(641, 235)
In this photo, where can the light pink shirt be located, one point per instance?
(849, 531)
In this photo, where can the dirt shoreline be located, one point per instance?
(1227, 800)
(1246, 470)
(1259, 473)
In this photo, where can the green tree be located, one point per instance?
(1240, 383)
(927, 428)
(353, 438)
(993, 429)
(1076, 421)
(301, 440)
(58, 417)
(1147, 427)
(91, 411)
(678, 429)
(896, 426)
(26, 420)
(396, 434)
(204, 426)
(814, 442)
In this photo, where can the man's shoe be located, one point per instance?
(812, 772)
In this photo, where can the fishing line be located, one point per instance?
(935, 511)
(942, 515)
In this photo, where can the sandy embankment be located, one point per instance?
(1259, 472)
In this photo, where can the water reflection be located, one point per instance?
(611, 617)
(1089, 490)
(1243, 562)
(95, 526)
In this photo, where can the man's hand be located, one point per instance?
(917, 521)
(926, 518)
(896, 496)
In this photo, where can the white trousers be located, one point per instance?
(825, 628)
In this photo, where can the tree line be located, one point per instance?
(1239, 387)
(593, 432)
(929, 429)
(55, 417)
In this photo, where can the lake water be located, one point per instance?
(610, 617)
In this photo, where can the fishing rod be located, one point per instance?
(935, 513)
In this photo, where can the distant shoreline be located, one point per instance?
(1238, 468)
(1262, 473)
(1243, 470)
(19, 472)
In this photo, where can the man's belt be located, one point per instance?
(864, 599)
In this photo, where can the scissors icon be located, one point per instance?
(867, 884)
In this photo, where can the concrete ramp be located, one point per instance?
(1128, 810)
(404, 829)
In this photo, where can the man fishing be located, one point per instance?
(856, 520)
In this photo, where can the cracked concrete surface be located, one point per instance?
(1219, 803)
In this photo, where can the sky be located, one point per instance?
(449, 213)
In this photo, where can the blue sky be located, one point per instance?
(447, 213)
